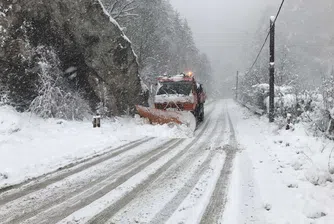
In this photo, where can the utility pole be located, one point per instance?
(237, 86)
(272, 71)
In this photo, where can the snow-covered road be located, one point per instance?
(151, 180)
(237, 168)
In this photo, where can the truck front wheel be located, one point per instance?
(201, 113)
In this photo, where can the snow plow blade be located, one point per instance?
(156, 116)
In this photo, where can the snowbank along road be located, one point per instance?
(147, 181)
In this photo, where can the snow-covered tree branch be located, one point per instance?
(121, 8)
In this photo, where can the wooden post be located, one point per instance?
(97, 121)
(237, 86)
(288, 122)
(272, 71)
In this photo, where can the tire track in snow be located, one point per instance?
(110, 211)
(193, 206)
(27, 188)
(215, 209)
(173, 204)
(80, 198)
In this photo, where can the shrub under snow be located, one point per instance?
(55, 99)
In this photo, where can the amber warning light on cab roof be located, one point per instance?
(190, 74)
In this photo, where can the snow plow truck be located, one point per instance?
(179, 99)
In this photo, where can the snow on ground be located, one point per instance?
(193, 207)
(280, 176)
(31, 146)
(88, 212)
(151, 201)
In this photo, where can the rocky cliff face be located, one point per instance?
(94, 55)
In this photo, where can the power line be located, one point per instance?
(265, 41)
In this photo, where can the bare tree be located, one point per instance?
(121, 8)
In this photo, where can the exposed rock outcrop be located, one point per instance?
(85, 39)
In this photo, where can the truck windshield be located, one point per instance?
(183, 88)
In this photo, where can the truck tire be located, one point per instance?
(201, 113)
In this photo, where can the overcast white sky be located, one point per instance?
(221, 27)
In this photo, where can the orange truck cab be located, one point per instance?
(181, 93)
